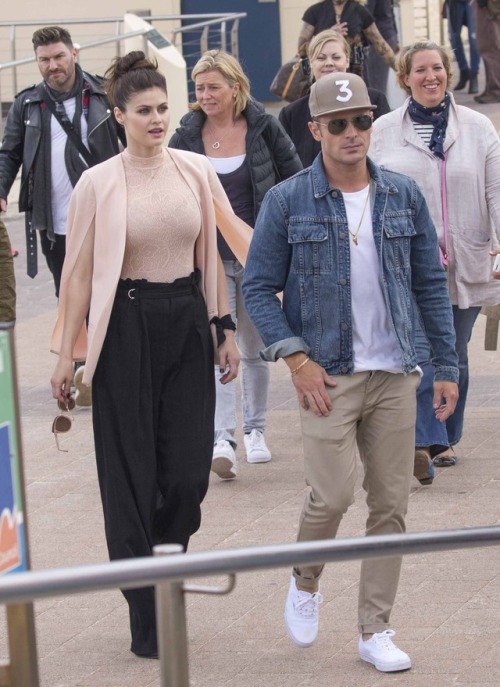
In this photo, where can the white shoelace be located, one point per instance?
(383, 639)
(256, 439)
(308, 604)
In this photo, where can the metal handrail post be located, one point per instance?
(223, 35)
(172, 627)
(234, 39)
(204, 40)
(22, 646)
(1, 106)
(13, 55)
(118, 41)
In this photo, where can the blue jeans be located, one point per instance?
(254, 375)
(463, 15)
(429, 431)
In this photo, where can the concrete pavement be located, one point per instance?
(448, 607)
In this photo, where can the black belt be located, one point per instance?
(138, 289)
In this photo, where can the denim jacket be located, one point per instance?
(301, 246)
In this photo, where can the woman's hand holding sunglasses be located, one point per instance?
(61, 379)
(62, 423)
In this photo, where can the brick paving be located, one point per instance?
(448, 606)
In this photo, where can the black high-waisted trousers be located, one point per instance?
(153, 414)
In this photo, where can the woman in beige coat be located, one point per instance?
(142, 260)
(453, 153)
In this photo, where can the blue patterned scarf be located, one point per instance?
(438, 117)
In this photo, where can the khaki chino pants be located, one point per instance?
(375, 411)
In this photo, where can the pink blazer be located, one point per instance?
(99, 203)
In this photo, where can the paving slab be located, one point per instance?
(447, 609)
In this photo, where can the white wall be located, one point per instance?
(291, 12)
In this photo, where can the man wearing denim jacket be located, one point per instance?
(351, 246)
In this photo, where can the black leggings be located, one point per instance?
(153, 401)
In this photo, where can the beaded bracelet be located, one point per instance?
(298, 368)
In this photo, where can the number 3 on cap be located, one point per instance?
(345, 90)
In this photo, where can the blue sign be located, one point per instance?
(12, 539)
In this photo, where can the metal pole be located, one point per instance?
(171, 624)
(13, 57)
(223, 35)
(22, 646)
(1, 107)
(118, 42)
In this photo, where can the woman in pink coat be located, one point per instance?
(142, 261)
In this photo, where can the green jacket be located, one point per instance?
(7, 278)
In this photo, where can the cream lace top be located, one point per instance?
(163, 220)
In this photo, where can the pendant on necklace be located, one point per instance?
(355, 239)
(216, 145)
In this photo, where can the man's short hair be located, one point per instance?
(52, 34)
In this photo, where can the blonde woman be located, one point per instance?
(328, 52)
(453, 153)
(250, 153)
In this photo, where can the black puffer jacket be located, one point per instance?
(270, 154)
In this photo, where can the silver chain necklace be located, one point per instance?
(216, 144)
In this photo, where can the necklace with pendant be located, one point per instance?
(216, 144)
(355, 233)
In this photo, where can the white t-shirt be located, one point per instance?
(374, 342)
(60, 182)
(226, 165)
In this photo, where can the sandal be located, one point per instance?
(447, 459)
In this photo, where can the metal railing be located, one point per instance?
(168, 573)
(203, 31)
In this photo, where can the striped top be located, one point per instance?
(424, 131)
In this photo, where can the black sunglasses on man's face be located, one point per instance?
(337, 126)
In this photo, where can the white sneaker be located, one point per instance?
(224, 460)
(255, 444)
(302, 615)
(381, 651)
(83, 395)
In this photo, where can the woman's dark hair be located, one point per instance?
(129, 75)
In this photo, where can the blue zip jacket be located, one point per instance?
(301, 246)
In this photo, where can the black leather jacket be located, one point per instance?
(22, 137)
(270, 154)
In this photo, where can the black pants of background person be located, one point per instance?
(7, 278)
(376, 69)
(54, 252)
(153, 414)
